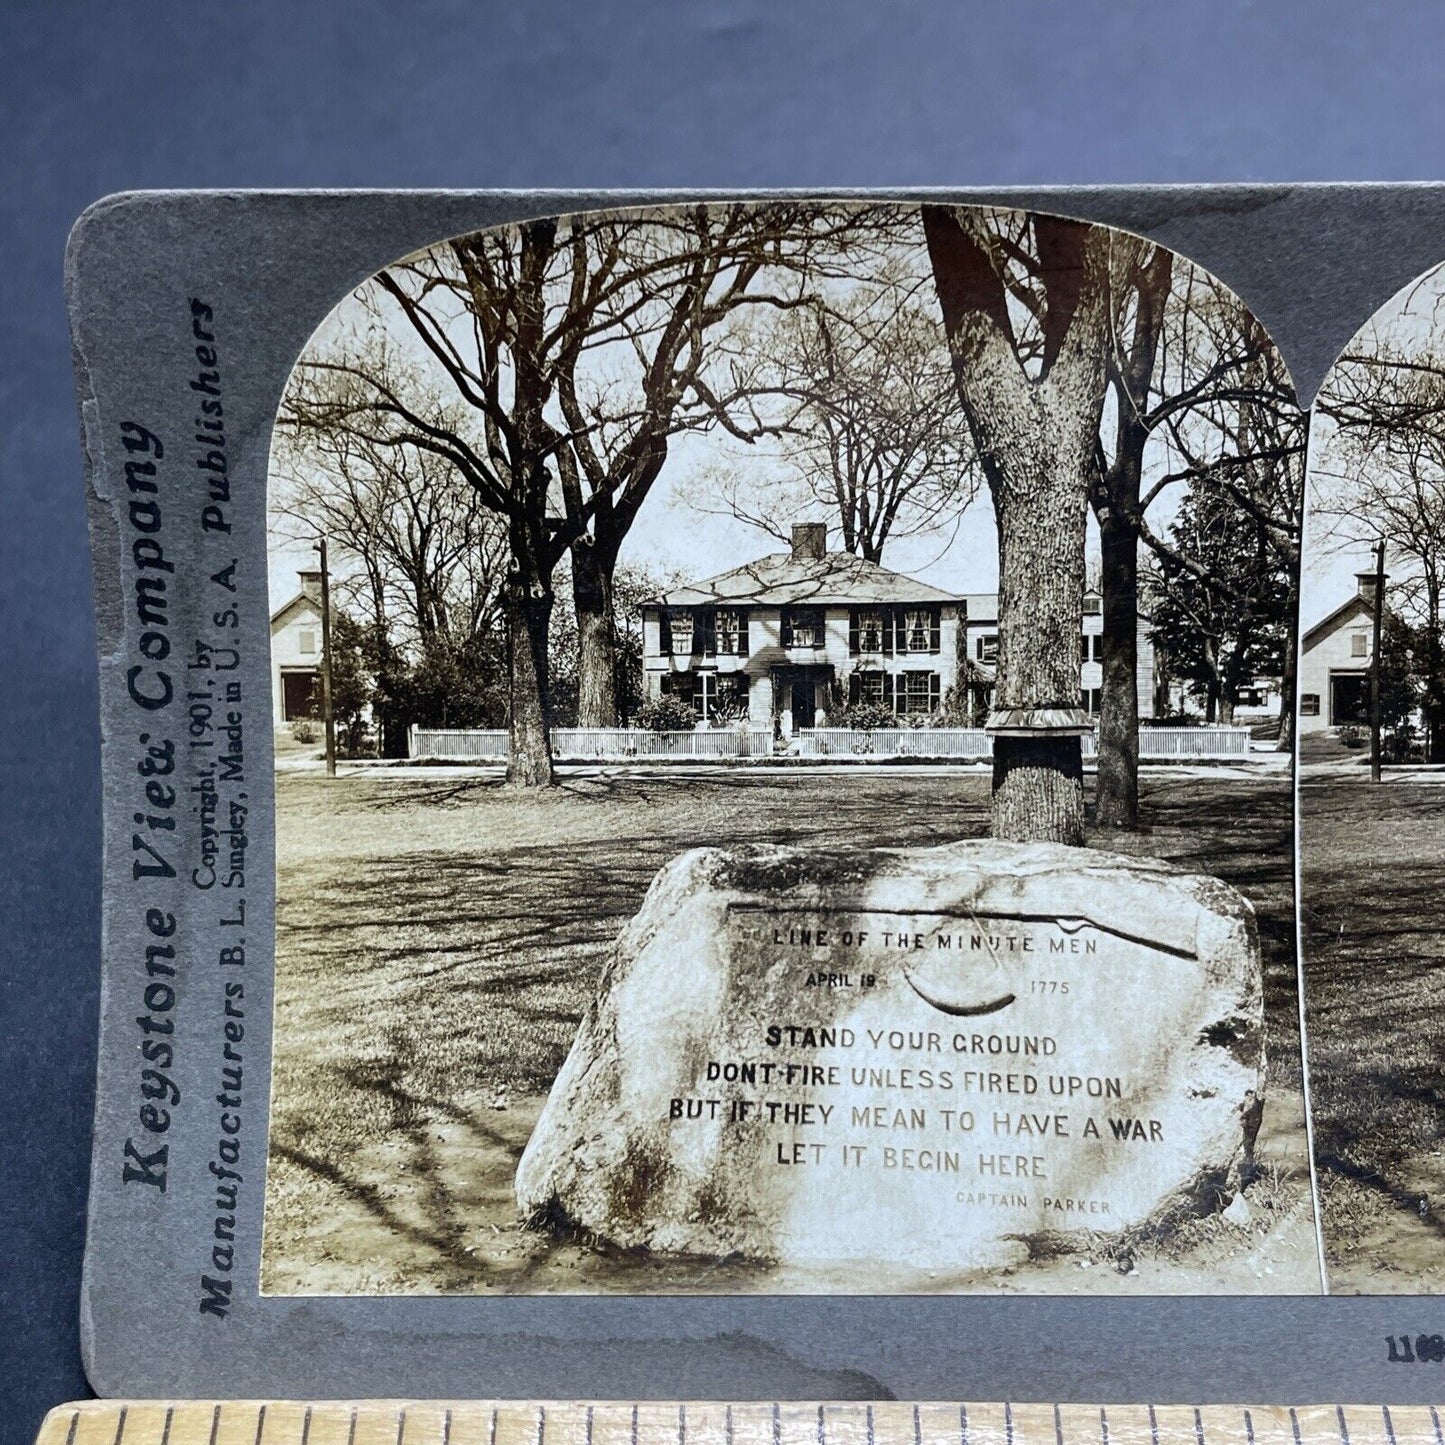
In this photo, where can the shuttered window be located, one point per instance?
(677, 632)
(732, 633)
(802, 627)
(916, 693)
(867, 685)
(867, 630)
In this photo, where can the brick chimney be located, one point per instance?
(1365, 581)
(311, 585)
(810, 541)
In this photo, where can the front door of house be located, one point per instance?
(805, 691)
(1349, 699)
(298, 692)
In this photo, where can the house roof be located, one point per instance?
(780, 578)
(283, 614)
(1337, 619)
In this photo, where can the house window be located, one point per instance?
(986, 649)
(803, 627)
(732, 633)
(721, 699)
(1089, 700)
(1358, 644)
(920, 629)
(1093, 604)
(870, 687)
(306, 642)
(678, 630)
(916, 693)
(870, 631)
(1309, 704)
(1096, 647)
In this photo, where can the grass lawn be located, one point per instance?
(1373, 864)
(437, 942)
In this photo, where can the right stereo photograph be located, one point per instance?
(1371, 737)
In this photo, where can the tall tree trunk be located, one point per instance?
(1035, 433)
(593, 565)
(1038, 789)
(1116, 505)
(1289, 674)
(1434, 681)
(528, 605)
(1117, 795)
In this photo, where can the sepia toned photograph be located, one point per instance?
(784, 718)
(1372, 761)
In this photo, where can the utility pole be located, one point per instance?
(1375, 661)
(326, 717)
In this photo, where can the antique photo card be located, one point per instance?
(701, 798)
(1370, 806)
(792, 521)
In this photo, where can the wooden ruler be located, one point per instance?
(515, 1422)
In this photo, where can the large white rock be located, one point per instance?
(935, 1059)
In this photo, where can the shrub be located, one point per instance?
(864, 716)
(667, 714)
(303, 729)
(1351, 736)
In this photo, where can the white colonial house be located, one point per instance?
(296, 653)
(1334, 668)
(785, 639)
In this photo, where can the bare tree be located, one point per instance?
(580, 346)
(417, 548)
(1200, 398)
(1025, 301)
(1381, 474)
(864, 417)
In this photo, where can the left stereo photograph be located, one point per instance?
(690, 773)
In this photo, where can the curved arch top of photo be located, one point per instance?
(784, 718)
(1372, 741)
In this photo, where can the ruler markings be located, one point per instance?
(736, 1423)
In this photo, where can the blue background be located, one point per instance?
(471, 95)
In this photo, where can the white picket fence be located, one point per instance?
(894, 743)
(462, 745)
(474, 744)
(641, 743)
(1162, 744)
(1156, 744)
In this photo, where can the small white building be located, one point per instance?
(1334, 669)
(296, 653)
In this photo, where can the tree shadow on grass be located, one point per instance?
(1373, 869)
